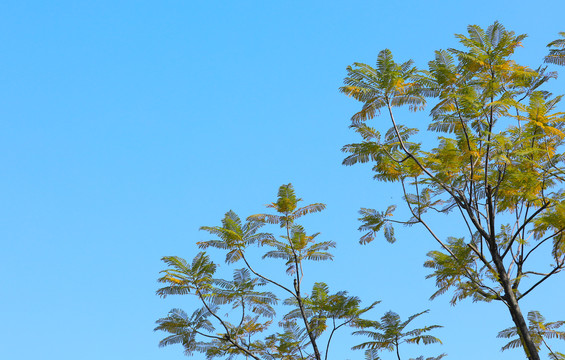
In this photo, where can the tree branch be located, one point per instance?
(555, 270)
(526, 222)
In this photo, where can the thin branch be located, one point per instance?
(208, 336)
(263, 277)
(466, 222)
(540, 243)
(535, 273)
(522, 227)
(330, 339)
(555, 270)
(228, 337)
(481, 256)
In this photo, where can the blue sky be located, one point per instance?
(127, 125)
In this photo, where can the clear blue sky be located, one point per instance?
(126, 125)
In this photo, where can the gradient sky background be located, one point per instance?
(127, 125)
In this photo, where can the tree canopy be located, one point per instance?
(248, 327)
(491, 157)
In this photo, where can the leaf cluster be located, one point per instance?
(247, 327)
(540, 331)
(389, 333)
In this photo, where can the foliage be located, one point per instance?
(389, 334)
(493, 155)
(540, 331)
(248, 327)
(556, 51)
(497, 162)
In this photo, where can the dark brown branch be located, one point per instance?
(523, 226)
(331, 335)
(555, 270)
(263, 277)
(481, 256)
(228, 337)
(540, 243)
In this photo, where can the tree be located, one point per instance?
(497, 164)
(389, 334)
(247, 329)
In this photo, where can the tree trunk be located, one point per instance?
(523, 331)
(504, 280)
(513, 307)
